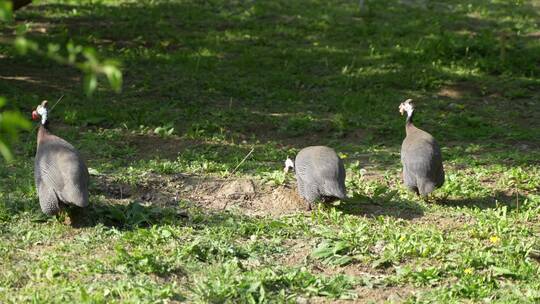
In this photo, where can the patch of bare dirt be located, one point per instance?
(459, 90)
(387, 294)
(445, 224)
(392, 294)
(533, 35)
(251, 196)
(354, 270)
(37, 78)
(152, 146)
(298, 254)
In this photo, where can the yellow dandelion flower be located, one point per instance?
(468, 270)
(402, 238)
(495, 239)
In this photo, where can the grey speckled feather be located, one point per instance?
(320, 173)
(421, 157)
(61, 175)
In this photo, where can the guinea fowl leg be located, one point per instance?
(302, 193)
(311, 196)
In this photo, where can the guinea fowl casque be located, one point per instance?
(320, 174)
(60, 173)
(421, 157)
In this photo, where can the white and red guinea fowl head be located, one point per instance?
(406, 106)
(289, 164)
(40, 111)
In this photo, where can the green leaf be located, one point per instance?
(114, 76)
(21, 29)
(50, 273)
(85, 297)
(166, 233)
(5, 151)
(389, 196)
(14, 119)
(73, 50)
(323, 250)
(90, 83)
(53, 49)
(341, 246)
(502, 272)
(381, 263)
(342, 260)
(21, 45)
(6, 11)
(10, 124)
(94, 171)
(90, 55)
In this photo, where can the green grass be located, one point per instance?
(207, 82)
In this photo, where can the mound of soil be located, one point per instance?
(251, 197)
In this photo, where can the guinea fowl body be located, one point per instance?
(60, 174)
(421, 158)
(320, 174)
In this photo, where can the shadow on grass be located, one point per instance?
(125, 217)
(406, 210)
(136, 215)
(497, 200)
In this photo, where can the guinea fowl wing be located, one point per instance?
(48, 179)
(306, 177)
(417, 155)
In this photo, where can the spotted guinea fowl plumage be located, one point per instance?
(60, 174)
(320, 174)
(421, 157)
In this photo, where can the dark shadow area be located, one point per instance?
(136, 214)
(409, 210)
(499, 199)
(125, 217)
(123, 208)
(368, 207)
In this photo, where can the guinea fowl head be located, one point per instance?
(41, 111)
(407, 106)
(289, 164)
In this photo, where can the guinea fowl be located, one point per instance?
(423, 170)
(320, 174)
(60, 173)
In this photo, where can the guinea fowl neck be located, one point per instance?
(43, 131)
(409, 126)
(409, 121)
